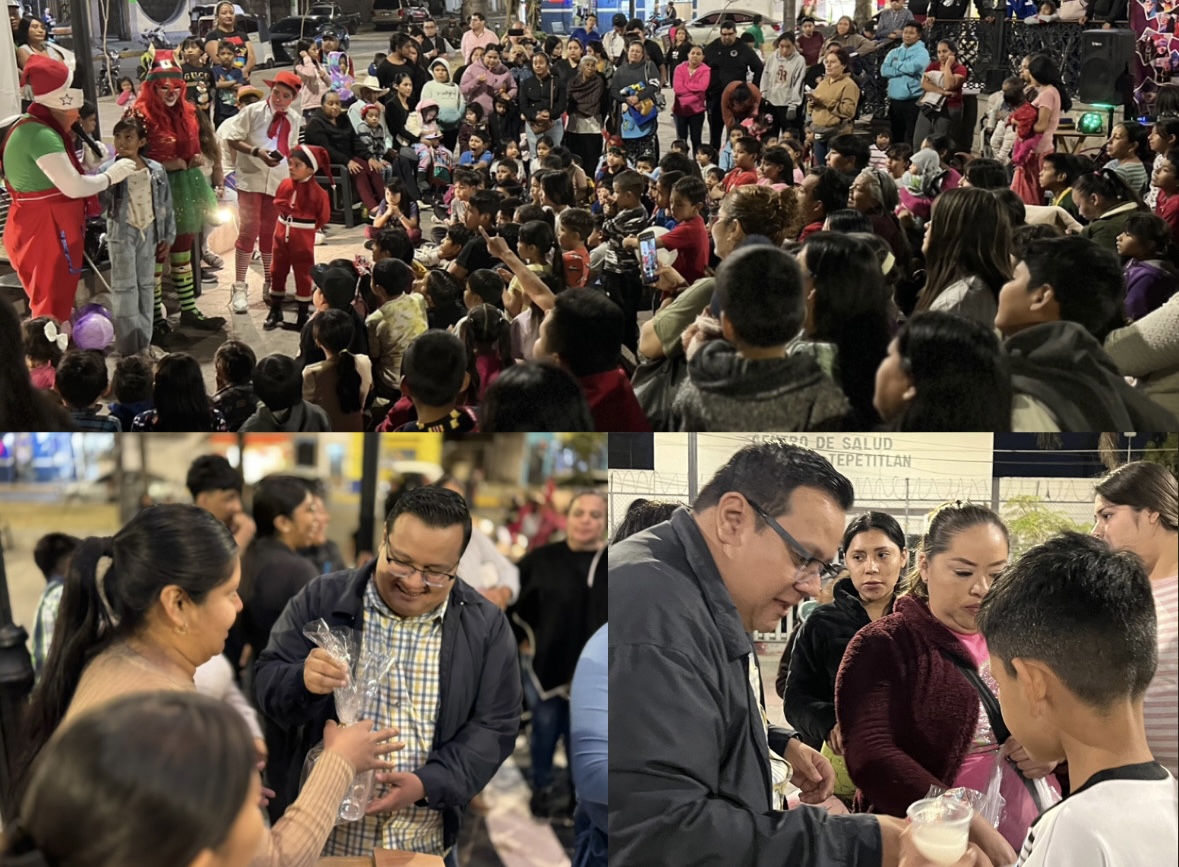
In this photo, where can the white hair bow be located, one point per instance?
(54, 336)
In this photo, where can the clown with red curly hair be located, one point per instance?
(174, 141)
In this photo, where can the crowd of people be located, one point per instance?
(782, 275)
(1039, 685)
(208, 598)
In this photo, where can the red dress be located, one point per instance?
(303, 209)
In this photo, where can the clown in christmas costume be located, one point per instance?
(174, 141)
(51, 197)
(261, 136)
(303, 209)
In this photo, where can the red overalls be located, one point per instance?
(44, 238)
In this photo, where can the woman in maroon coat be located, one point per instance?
(909, 717)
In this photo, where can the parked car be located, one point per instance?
(349, 22)
(399, 14)
(288, 31)
(705, 28)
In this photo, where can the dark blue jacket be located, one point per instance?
(479, 710)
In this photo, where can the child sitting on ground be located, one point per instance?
(615, 165)
(433, 376)
(132, 386)
(705, 157)
(81, 381)
(234, 362)
(339, 384)
(486, 333)
(473, 122)
(1072, 631)
(398, 210)
(476, 155)
(44, 347)
(278, 384)
(400, 318)
(574, 229)
(335, 289)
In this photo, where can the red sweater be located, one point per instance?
(306, 201)
(613, 404)
(1167, 207)
(906, 713)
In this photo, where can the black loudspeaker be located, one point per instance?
(1105, 65)
(632, 451)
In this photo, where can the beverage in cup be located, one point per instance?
(941, 828)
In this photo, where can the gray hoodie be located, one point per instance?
(724, 392)
(302, 417)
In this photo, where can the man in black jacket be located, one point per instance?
(454, 688)
(696, 771)
(729, 60)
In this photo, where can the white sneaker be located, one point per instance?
(320, 238)
(238, 302)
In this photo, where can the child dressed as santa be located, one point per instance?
(303, 209)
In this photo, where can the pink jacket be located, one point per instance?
(690, 89)
(484, 92)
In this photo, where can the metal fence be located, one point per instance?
(991, 52)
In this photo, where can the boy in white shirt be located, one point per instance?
(1071, 631)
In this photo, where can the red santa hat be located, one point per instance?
(49, 79)
(314, 156)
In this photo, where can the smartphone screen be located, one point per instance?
(648, 258)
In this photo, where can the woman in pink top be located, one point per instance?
(690, 82)
(1134, 510)
(1050, 100)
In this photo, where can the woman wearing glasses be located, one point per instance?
(874, 551)
(915, 699)
(562, 603)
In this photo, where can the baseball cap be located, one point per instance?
(336, 284)
(619, 20)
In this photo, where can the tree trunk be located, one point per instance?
(865, 9)
(470, 7)
(789, 14)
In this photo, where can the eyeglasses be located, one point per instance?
(807, 561)
(402, 570)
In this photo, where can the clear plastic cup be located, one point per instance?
(941, 828)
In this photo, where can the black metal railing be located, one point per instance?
(991, 51)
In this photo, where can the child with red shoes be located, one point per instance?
(303, 209)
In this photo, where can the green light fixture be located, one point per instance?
(1090, 123)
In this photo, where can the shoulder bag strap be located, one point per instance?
(995, 715)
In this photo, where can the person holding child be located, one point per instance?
(141, 227)
(303, 209)
(327, 128)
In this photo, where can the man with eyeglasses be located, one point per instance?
(453, 693)
(697, 772)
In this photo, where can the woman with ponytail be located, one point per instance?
(342, 381)
(140, 612)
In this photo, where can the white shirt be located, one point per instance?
(1123, 817)
(252, 125)
(483, 567)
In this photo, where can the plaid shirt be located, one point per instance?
(408, 701)
(89, 420)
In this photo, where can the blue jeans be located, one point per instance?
(556, 133)
(133, 286)
(550, 721)
(820, 150)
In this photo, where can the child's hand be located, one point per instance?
(631, 243)
(162, 250)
